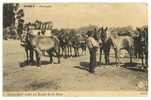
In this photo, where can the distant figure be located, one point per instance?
(92, 45)
(83, 47)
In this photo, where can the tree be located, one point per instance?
(8, 15)
(12, 17)
(19, 14)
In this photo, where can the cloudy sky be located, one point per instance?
(76, 15)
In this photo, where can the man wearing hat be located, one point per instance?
(92, 45)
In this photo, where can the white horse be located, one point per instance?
(120, 43)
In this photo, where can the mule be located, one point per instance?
(48, 44)
(142, 44)
(39, 43)
(120, 43)
(109, 39)
(105, 43)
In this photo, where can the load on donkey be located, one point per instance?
(35, 40)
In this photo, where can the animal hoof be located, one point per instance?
(38, 65)
(92, 72)
(99, 63)
(51, 62)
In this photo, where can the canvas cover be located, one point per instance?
(43, 42)
(46, 43)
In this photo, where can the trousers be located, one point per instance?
(92, 59)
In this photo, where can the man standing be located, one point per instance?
(92, 45)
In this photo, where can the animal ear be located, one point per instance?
(99, 29)
(106, 28)
(102, 29)
(95, 29)
(138, 29)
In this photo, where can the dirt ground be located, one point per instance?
(70, 75)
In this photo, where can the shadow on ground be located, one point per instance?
(111, 63)
(131, 66)
(134, 66)
(83, 66)
(24, 64)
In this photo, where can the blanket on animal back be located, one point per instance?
(44, 42)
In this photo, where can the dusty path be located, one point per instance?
(71, 74)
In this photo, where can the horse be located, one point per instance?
(110, 39)
(83, 47)
(68, 45)
(82, 43)
(61, 48)
(64, 43)
(76, 46)
(141, 45)
(39, 43)
(104, 41)
(120, 43)
(27, 46)
(69, 48)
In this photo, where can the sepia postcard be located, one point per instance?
(75, 49)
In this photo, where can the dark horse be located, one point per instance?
(105, 43)
(65, 48)
(76, 45)
(141, 45)
(28, 47)
(83, 47)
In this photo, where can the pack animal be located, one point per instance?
(39, 43)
